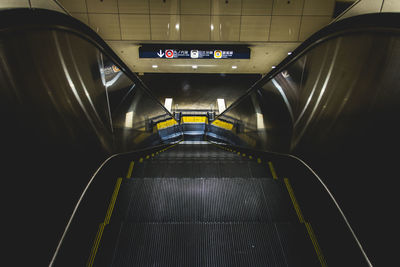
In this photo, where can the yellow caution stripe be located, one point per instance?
(222, 124)
(194, 119)
(96, 245)
(100, 231)
(314, 241)
(294, 200)
(166, 124)
(310, 231)
(272, 169)
(129, 174)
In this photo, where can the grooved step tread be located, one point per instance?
(212, 244)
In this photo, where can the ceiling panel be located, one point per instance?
(195, 7)
(284, 28)
(319, 7)
(135, 27)
(225, 28)
(82, 17)
(391, 6)
(46, 4)
(106, 25)
(226, 7)
(257, 7)
(311, 24)
(164, 7)
(133, 6)
(287, 7)
(271, 27)
(14, 3)
(254, 28)
(165, 27)
(74, 5)
(105, 6)
(195, 28)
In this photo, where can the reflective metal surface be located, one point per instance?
(65, 107)
(340, 112)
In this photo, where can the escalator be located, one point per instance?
(89, 132)
(199, 205)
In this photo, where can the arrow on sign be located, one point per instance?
(160, 54)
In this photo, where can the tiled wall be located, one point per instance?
(203, 20)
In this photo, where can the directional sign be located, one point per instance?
(182, 51)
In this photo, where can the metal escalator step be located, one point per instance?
(206, 200)
(209, 244)
(302, 253)
(200, 168)
(279, 203)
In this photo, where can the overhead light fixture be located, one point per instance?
(234, 67)
(212, 27)
(289, 53)
(177, 26)
(154, 66)
(221, 105)
(129, 119)
(273, 67)
(194, 67)
(168, 104)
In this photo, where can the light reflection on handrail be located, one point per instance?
(325, 188)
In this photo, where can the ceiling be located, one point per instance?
(271, 28)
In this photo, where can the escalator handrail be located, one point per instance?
(320, 181)
(91, 180)
(355, 24)
(44, 19)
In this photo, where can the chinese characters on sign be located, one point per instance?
(193, 53)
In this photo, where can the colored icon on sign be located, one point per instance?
(217, 53)
(194, 53)
(169, 53)
(115, 68)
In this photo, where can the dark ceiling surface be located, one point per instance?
(198, 91)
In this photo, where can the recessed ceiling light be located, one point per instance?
(154, 66)
(234, 67)
(194, 67)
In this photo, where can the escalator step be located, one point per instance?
(207, 200)
(209, 244)
(201, 168)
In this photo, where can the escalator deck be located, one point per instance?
(198, 205)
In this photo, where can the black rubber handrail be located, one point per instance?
(303, 163)
(25, 19)
(374, 22)
(132, 155)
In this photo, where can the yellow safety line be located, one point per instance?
(310, 231)
(113, 199)
(129, 174)
(315, 244)
(294, 201)
(271, 167)
(95, 245)
(103, 224)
